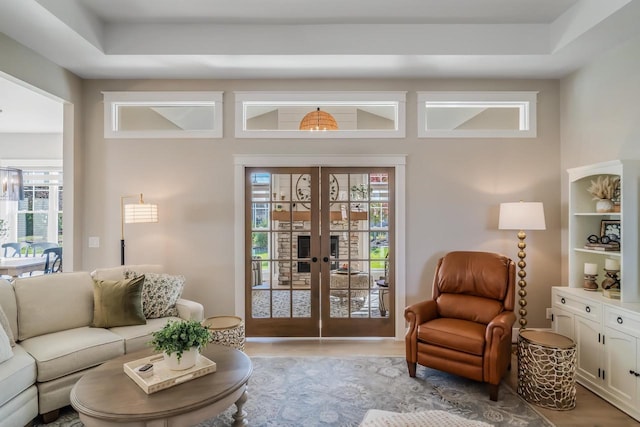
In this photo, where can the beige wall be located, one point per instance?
(454, 188)
(600, 112)
(37, 72)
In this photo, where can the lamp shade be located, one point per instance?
(318, 120)
(521, 216)
(140, 212)
(11, 184)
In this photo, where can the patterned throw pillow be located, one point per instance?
(160, 293)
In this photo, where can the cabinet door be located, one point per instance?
(563, 323)
(620, 365)
(589, 352)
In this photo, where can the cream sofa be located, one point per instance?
(49, 316)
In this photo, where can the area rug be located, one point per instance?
(326, 391)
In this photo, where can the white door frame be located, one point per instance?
(242, 161)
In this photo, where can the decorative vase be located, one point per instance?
(188, 359)
(604, 205)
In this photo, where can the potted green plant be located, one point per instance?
(181, 342)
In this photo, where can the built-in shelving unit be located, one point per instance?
(585, 221)
(606, 331)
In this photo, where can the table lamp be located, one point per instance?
(522, 216)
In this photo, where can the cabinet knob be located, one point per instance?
(562, 300)
(619, 320)
(631, 371)
(588, 309)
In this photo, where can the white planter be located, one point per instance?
(604, 205)
(188, 359)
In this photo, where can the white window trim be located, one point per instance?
(526, 101)
(112, 100)
(317, 99)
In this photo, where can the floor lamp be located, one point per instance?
(522, 216)
(133, 213)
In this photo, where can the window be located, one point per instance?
(477, 114)
(39, 216)
(162, 114)
(352, 114)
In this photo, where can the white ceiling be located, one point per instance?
(318, 39)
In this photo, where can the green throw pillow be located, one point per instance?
(117, 303)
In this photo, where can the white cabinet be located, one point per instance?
(588, 338)
(607, 336)
(585, 221)
(621, 366)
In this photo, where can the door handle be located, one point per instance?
(314, 259)
(325, 259)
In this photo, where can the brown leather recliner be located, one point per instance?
(466, 328)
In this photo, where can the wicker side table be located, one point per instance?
(547, 369)
(227, 330)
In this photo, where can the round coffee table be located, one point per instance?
(107, 396)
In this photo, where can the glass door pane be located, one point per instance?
(282, 285)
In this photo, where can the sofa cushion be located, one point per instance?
(8, 304)
(53, 302)
(117, 273)
(159, 293)
(61, 353)
(16, 374)
(117, 303)
(5, 346)
(21, 410)
(6, 328)
(138, 337)
(456, 334)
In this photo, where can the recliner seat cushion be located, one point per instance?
(62, 353)
(456, 334)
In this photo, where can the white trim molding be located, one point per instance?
(525, 103)
(398, 162)
(393, 103)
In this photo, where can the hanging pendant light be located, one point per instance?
(318, 120)
(11, 185)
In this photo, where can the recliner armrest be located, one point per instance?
(190, 310)
(417, 314)
(420, 312)
(500, 326)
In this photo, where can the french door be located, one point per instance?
(319, 259)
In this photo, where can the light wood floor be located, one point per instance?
(590, 410)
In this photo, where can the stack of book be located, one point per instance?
(615, 246)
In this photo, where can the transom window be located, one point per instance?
(162, 114)
(477, 114)
(320, 115)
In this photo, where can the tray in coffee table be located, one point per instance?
(163, 377)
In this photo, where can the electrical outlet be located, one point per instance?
(549, 312)
(94, 242)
